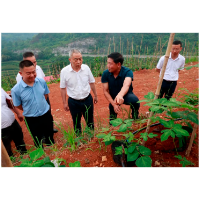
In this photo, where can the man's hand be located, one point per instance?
(66, 107)
(20, 117)
(119, 100)
(117, 108)
(95, 99)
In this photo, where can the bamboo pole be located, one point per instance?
(171, 39)
(5, 159)
(191, 140)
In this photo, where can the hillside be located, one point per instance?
(45, 45)
(13, 37)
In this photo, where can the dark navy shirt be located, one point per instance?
(115, 84)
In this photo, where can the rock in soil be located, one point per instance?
(104, 158)
(157, 163)
(87, 161)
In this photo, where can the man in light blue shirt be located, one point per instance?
(30, 96)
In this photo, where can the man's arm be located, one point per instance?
(157, 70)
(63, 95)
(109, 98)
(92, 85)
(119, 99)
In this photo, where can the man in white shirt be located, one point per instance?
(40, 74)
(10, 128)
(175, 63)
(77, 80)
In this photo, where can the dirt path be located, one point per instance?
(144, 81)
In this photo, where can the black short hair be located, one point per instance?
(28, 54)
(25, 63)
(117, 57)
(177, 42)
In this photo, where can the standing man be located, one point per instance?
(39, 74)
(10, 128)
(30, 95)
(78, 80)
(117, 86)
(175, 63)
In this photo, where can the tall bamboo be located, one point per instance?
(171, 38)
(5, 159)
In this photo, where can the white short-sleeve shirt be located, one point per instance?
(7, 116)
(172, 68)
(77, 84)
(40, 74)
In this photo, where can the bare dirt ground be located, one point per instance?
(90, 154)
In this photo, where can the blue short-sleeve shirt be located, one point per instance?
(115, 84)
(31, 98)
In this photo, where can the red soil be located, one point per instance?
(89, 155)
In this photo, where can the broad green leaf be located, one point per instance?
(165, 135)
(38, 163)
(101, 135)
(179, 114)
(180, 131)
(116, 122)
(112, 138)
(167, 124)
(128, 120)
(47, 159)
(75, 164)
(128, 124)
(156, 102)
(172, 134)
(185, 105)
(131, 148)
(118, 150)
(144, 151)
(26, 164)
(143, 100)
(179, 157)
(170, 104)
(108, 142)
(144, 161)
(193, 117)
(122, 128)
(144, 136)
(150, 95)
(163, 100)
(132, 156)
(34, 155)
(61, 166)
(155, 108)
(151, 135)
(49, 164)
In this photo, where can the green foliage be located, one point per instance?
(75, 164)
(183, 161)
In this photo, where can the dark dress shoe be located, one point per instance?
(55, 130)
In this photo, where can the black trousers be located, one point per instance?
(78, 108)
(129, 99)
(40, 127)
(167, 89)
(13, 132)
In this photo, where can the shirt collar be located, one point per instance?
(120, 73)
(176, 58)
(25, 85)
(71, 69)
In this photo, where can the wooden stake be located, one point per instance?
(5, 159)
(171, 39)
(191, 140)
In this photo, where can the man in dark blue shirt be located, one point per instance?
(117, 86)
